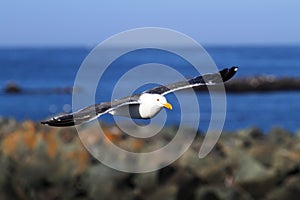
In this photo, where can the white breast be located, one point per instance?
(147, 107)
(149, 110)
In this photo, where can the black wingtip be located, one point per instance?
(57, 123)
(61, 121)
(44, 122)
(227, 74)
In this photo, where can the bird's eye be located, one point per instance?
(157, 99)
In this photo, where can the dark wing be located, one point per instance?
(206, 79)
(91, 112)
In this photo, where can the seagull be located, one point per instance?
(140, 106)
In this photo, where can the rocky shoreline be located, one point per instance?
(40, 162)
(237, 85)
(260, 84)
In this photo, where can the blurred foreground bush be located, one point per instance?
(39, 162)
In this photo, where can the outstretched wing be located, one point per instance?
(206, 79)
(91, 112)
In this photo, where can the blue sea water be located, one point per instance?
(42, 73)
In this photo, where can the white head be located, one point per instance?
(151, 104)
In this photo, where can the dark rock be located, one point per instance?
(103, 183)
(285, 161)
(252, 176)
(279, 136)
(168, 191)
(263, 152)
(258, 84)
(289, 190)
(164, 174)
(221, 192)
(249, 136)
(12, 88)
(64, 90)
(146, 182)
(263, 84)
(208, 195)
(127, 182)
(211, 169)
(187, 185)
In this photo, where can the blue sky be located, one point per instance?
(74, 22)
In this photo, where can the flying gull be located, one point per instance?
(141, 106)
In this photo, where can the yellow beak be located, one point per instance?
(167, 105)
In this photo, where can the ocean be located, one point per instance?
(46, 75)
